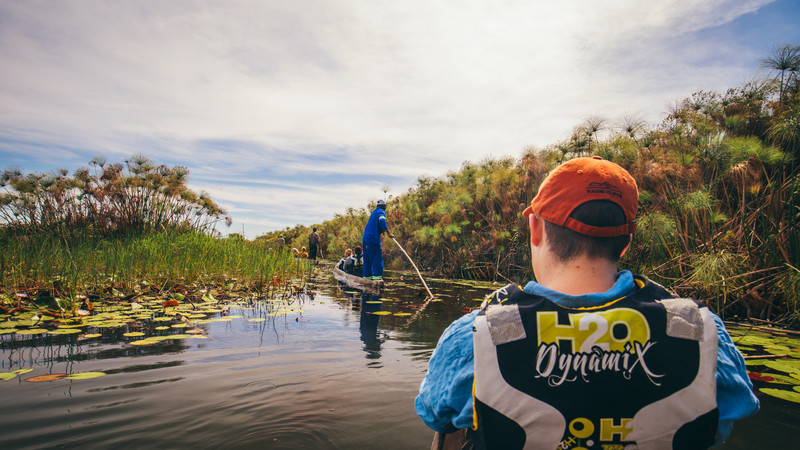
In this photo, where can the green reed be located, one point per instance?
(121, 265)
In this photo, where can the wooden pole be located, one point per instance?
(415, 266)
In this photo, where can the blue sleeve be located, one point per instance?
(735, 397)
(444, 402)
(382, 225)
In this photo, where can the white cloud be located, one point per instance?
(320, 91)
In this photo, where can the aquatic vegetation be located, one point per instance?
(5, 376)
(783, 394)
(772, 358)
(69, 277)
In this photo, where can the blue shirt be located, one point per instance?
(444, 402)
(375, 225)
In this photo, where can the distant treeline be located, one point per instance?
(719, 200)
(105, 199)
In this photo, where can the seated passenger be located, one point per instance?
(340, 264)
(303, 253)
(354, 265)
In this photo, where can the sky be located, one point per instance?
(288, 112)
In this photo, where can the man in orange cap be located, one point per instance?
(586, 356)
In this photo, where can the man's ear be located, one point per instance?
(536, 226)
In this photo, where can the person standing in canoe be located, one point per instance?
(313, 243)
(371, 242)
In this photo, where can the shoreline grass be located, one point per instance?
(57, 272)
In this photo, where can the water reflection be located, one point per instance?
(293, 372)
(370, 304)
(367, 302)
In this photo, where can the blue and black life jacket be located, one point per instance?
(354, 265)
(638, 372)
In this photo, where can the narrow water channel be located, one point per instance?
(317, 370)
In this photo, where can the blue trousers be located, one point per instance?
(373, 260)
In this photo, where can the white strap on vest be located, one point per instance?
(652, 428)
(508, 401)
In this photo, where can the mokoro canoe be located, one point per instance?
(457, 440)
(356, 282)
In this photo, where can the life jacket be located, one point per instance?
(637, 373)
(354, 265)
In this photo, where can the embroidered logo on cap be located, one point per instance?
(604, 188)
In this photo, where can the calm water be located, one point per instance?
(331, 376)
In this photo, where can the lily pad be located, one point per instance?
(84, 375)
(774, 378)
(32, 331)
(64, 331)
(133, 334)
(7, 330)
(783, 366)
(402, 314)
(109, 324)
(381, 313)
(50, 377)
(783, 394)
(162, 328)
(146, 341)
(92, 335)
(374, 302)
(5, 376)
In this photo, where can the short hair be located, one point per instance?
(567, 244)
(357, 250)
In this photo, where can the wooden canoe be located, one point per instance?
(355, 281)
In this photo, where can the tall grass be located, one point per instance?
(111, 267)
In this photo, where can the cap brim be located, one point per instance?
(528, 211)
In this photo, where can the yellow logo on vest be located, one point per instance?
(609, 341)
(609, 330)
(612, 432)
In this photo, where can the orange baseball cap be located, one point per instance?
(578, 181)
